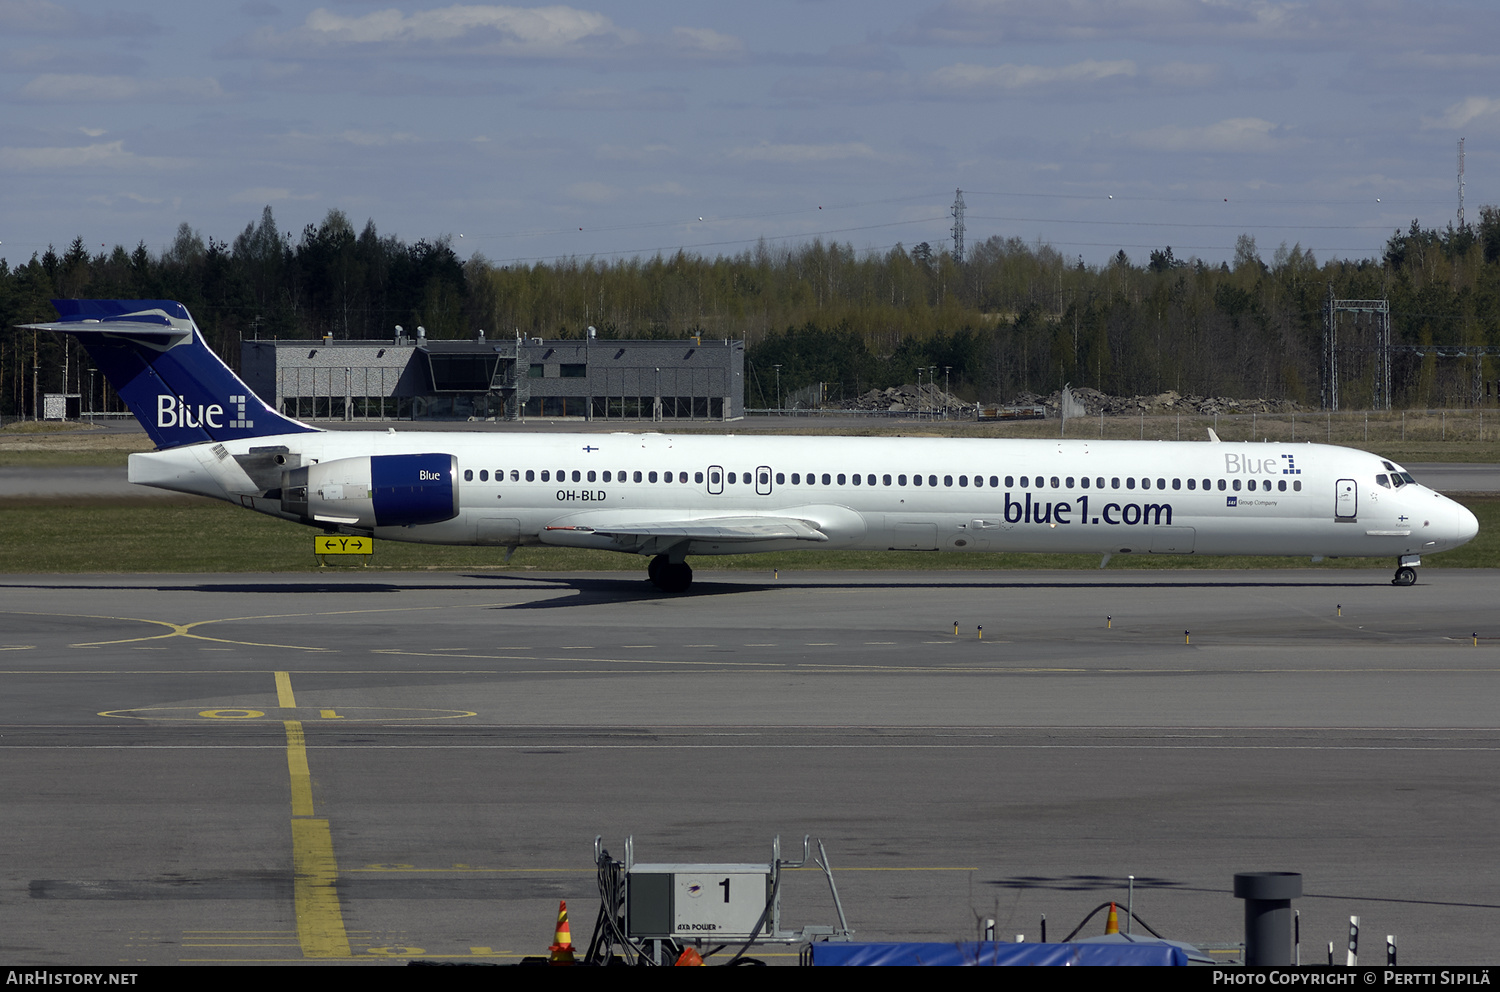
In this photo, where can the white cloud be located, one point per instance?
(592, 192)
(787, 154)
(666, 189)
(268, 194)
(1235, 134)
(41, 17)
(966, 78)
(81, 88)
(637, 154)
(484, 30)
(609, 98)
(1463, 113)
(988, 22)
(540, 27)
(374, 139)
(101, 155)
(705, 40)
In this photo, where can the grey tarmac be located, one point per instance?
(379, 767)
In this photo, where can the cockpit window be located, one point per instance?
(1406, 478)
(1383, 480)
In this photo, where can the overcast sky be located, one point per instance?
(610, 129)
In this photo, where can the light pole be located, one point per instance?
(778, 389)
(946, 370)
(919, 393)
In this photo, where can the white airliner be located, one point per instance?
(668, 497)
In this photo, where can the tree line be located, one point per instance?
(1011, 317)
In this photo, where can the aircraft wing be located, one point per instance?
(722, 529)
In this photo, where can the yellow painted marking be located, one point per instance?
(234, 714)
(320, 920)
(284, 697)
(359, 713)
(185, 629)
(296, 763)
(17, 647)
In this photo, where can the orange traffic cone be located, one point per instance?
(562, 937)
(689, 958)
(1112, 924)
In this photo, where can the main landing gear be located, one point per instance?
(669, 576)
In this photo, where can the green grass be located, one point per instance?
(192, 535)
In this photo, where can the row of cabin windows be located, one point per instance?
(843, 479)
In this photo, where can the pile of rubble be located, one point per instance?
(931, 399)
(1170, 402)
(909, 399)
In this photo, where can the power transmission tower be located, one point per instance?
(1379, 312)
(1460, 184)
(958, 225)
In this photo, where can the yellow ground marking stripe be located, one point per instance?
(296, 763)
(320, 920)
(315, 872)
(284, 697)
(185, 629)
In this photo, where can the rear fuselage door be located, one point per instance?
(1344, 500)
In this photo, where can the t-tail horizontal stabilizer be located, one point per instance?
(156, 359)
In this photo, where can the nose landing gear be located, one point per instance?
(1406, 572)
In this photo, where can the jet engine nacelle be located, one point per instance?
(374, 490)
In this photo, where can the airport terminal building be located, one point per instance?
(415, 378)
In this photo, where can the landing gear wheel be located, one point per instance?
(653, 570)
(1405, 576)
(671, 577)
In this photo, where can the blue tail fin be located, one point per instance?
(156, 359)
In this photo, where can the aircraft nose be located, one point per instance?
(1468, 524)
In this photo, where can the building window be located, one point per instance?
(578, 371)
